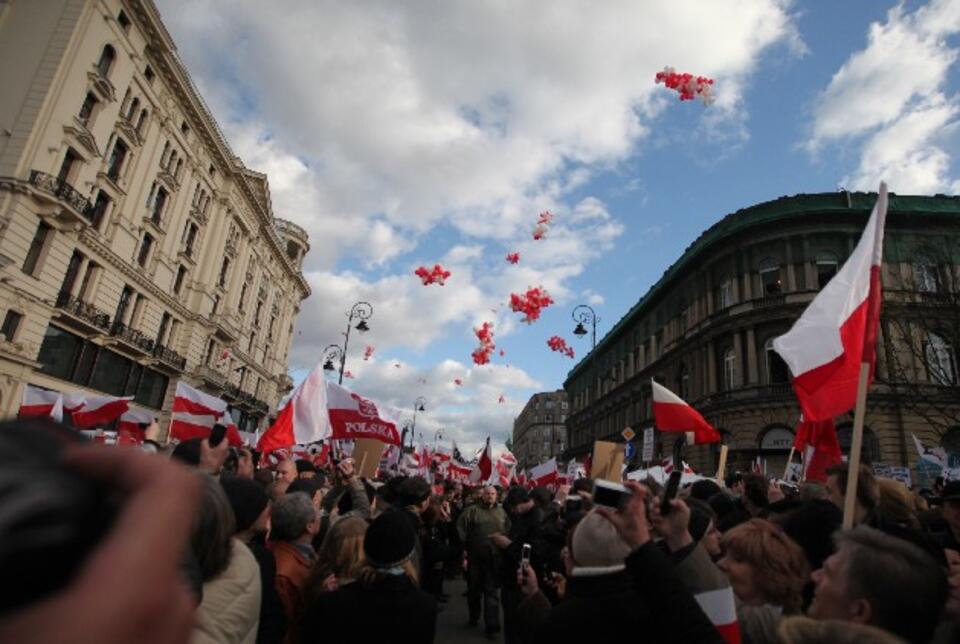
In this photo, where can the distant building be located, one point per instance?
(705, 330)
(539, 432)
(136, 249)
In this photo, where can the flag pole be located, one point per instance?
(853, 463)
(786, 470)
(722, 469)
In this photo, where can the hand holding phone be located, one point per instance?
(525, 556)
(217, 434)
(670, 491)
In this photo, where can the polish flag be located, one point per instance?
(352, 416)
(39, 403)
(484, 467)
(544, 474)
(672, 414)
(304, 418)
(194, 413)
(720, 607)
(458, 473)
(838, 330)
(817, 442)
(100, 410)
(506, 468)
(128, 429)
(667, 465)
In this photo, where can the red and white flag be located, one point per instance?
(100, 410)
(720, 607)
(672, 414)
(128, 429)
(352, 416)
(484, 467)
(817, 443)
(303, 419)
(544, 474)
(194, 413)
(506, 468)
(39, 403)
(667, 465)
(838, 330)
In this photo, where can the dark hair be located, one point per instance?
(516, 495)
(906, 588)
(263, 476)
(584, 484)
(303, 465)
(701, 514)
(868, 494)
(542, 497)
(812, 526)
(308, 486)
(213, 528)
(732, 479)
(187, 451)
(703, 489)
(722, 504)
(755, 490)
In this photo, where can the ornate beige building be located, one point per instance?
(540, 432)
(136, 249)
(705, 330)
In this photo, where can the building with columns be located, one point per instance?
(705, 331)
(539, 432)
(136, 250)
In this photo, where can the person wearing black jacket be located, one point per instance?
(525, 520)
(625, 584)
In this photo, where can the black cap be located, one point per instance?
(951, 491)
(516, 495)
(247, 498)
(390, 540)
(414, 490)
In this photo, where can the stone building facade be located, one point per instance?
(705, 330)
(136, 249)
(539, 432)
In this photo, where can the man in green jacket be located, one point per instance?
(475, 526)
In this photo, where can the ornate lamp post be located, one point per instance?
(583, 314)
(361, 311)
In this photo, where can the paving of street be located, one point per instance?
(452, 620)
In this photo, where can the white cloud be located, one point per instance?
(891, 92)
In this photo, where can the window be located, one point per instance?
(273, 321)
(132, 108)
(159, 201)
(58, 353)
(729, 369)
(725, 293)
(189, 236)
(184, 128)
(926, 277)
(178, 282)
(683, 382)
(137, 313)
(250, 342)
(73, 269)
(941, 360)
(208, 355)
(827, 265)
(11, 324)
(770, 276)
(148, 73)
(37, 246)
(70, 160)
(224, 270)
(777, 370)
(256, 322)
(174, 334)
(548, 418)
(145, 248)
(142, 121)
(99, 209)
(122, 305)
(85, 294)
(152, 389)
(950, 442)
(123, 21)
(110, 373)
(216, 305)
(117, 157)
(164, 325)
(870, 450)
(107, 56)
(86, 110)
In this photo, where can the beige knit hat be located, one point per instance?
(596, 544)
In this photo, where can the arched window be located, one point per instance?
(132, 109)
(777, 370)
(729, 369)
(775, 438)
(827, 266)
(926, 276)
(950, 442)
(941, 360)
(107, 56)
(725, 293)
(770, 276)
(870, 453)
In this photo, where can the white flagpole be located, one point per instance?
(853, 464)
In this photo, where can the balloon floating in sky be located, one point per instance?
(437, 275)
(687, 86)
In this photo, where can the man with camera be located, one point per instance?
(475, 527)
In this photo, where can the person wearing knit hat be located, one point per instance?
(251, 506)
(597, 548)
(385, 604)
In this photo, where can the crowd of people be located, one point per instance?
(206, 543)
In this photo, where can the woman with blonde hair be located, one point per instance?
(341, 553)
(767, 571)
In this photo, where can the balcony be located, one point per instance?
(133, 338)
(776, 391)
(169, 357)
(211, 376)
(83, 314)
(129, 130)
(61, 193)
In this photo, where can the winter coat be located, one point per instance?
(391, 609)
(230, 610)
(293, 569)
(475, 526)
(646, 598)
(273, 620)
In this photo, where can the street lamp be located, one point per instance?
(582, 315)
(361, 311)
(420, 404)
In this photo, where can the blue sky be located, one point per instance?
(402, 134)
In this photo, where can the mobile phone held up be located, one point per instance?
(610, 495)
(670, 491)
(525, 556)
(217, 434)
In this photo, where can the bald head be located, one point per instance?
(287, 471)
(489, 496)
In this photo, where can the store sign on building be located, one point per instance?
(777, 439)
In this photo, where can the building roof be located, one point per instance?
(783, 208)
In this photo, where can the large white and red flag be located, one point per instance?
(352, 416)
(720, 607)
(672, 414)
(543, 474)
(484, 466)
(194, 413)
(816, 440)
(129, 431)
(506, 468)
(303, 419)
(100, 410)
(838, 330)
(39, 403)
